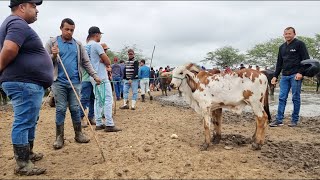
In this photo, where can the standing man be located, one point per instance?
(87, 98)
(116, 77)
(291, 53)
(103, 92)
(144, 74)
(74, 58)
(122, 65)
(130, 80)
(25, 71)
(152, 79)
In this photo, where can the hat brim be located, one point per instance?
(37, 2)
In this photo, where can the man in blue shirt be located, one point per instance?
(74, 58)
(143, 74)
(25, 71)
(103, 92)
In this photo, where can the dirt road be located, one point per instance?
(145, 150)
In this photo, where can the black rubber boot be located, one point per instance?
(79, 136)
(142, 98)
(24, 165)
(34, 156)
(151, 97)
(58, 144)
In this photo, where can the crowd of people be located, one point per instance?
(70, 68)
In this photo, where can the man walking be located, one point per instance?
(291, 53)
(130, 80)
(103, 92)
(144, 74)
(25, 71)
(74, 58)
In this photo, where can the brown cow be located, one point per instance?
(208, 93)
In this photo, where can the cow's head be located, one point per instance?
(185, 74)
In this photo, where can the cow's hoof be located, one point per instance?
(204, 147)
(216, 139)
(256, 146)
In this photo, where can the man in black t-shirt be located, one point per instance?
(25, 71)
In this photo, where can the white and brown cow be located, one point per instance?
(207, 93)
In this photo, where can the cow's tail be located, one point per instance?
(266, 104)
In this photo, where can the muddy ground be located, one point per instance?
(145, 150)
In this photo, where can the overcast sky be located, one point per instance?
(182, 31)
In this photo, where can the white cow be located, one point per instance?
(207, 93)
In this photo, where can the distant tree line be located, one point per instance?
(262, 54)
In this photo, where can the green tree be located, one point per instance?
(264, 54)
(123, 54)
(225, 56)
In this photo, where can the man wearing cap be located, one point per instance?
(103, 92)
(116, 76)
(75, 60)
(130, 81)
(25, 71)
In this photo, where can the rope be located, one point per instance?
(147, 78)
(100, 90)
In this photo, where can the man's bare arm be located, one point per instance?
(9, 51)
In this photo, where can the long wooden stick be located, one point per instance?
(154, 47)
(85, 114)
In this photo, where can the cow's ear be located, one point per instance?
(192, 84)
(194, 72)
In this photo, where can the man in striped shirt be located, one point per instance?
(130, 80)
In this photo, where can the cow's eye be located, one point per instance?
(181, 73)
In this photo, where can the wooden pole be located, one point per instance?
(85, 114)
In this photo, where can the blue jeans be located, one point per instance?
(63, 96)
(87, 99)
(117, 86)
(134, 85)
(287, 83)
(103, 102)
(26, 101)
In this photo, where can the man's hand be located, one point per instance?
(55, 50)
(298, 76)
(274, 80)
(130, 81)
(98, 80)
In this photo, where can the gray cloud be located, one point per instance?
(182, 31)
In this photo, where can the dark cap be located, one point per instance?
(94, 30)
(17, 2)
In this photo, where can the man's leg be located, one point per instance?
(26, 101)
(110, 127)
(134, 85)
(283, 95)
(143, 89)
(126, 88)
(91, 107)
(97, 104)
(296, 91)
(117, 86)
(85, 100)
(75, 114)
(60, 92)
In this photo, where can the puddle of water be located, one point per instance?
(310, 103)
